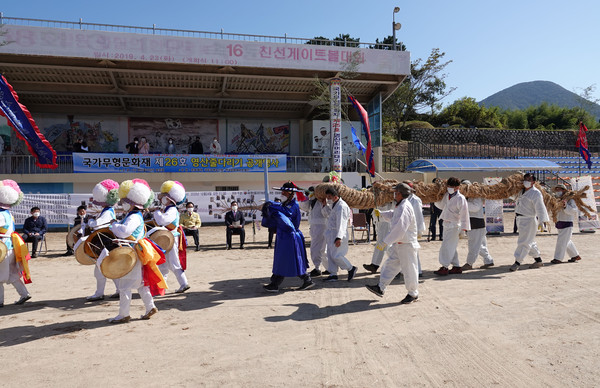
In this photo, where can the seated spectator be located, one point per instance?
(190, 221)
(80, 219)
(234, 221)
(34, 230)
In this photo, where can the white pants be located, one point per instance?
(172, 264)
(336, 256)
(564, 244)
(11, 273)
(448, 254)
(132, 280)
(100, 282)
(125, 300)
(478, 246)
(402, 257)
(383, 229)
(526, 241)
(318, 245)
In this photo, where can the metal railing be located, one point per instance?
(81, 25)
(26, 164)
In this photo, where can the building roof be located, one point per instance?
(86, 68)
(433, 165)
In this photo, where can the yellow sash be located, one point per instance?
(148, 256)
(21, 255)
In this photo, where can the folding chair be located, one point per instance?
(359, 224)
(42, 245)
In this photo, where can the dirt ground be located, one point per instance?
(534, 327)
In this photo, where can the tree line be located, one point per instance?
(419, 98)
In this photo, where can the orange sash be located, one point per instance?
(150, 259)
(21, 256)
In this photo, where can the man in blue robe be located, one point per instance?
(290, 252)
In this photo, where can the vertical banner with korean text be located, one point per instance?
(494, 217)
(586, 224)
(336, 124)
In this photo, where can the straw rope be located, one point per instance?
(433, 192)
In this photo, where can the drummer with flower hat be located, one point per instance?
(135, 195)
(13, 250)
(172, 194)
(106, 195)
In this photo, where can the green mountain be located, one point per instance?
(523, 95)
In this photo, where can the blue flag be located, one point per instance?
(20, 120)
(357, 142)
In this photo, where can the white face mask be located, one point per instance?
(190, 210)
(126, 206)
(215, 140)
(165, 201)
(234, 208)
(36, 214)
(527, 184)
(450, 190)
(170, 141)
(558, 193)
(330, 202)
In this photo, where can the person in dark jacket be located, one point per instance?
(234, 221)
(34, 230)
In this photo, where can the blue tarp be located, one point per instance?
(433, 165)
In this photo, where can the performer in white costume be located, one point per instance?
(417, 205)
(336, 235)
(383, 228)
(106, 195)
(172, 193)
(135, 195)
(455, 214)
(564, 224)
(14, 264)
(476, 236)
(317, 220)
(529, 205)
(404, 246)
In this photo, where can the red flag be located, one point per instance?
(364, 118)
(582, 144)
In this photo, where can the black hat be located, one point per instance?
(289, 186)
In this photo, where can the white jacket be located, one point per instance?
(455, 210)
(403, 225)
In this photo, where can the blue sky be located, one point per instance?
(493, 44)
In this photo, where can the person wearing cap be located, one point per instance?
(403, 247)
(317, 221)
(455, 213)
(106, 195)
(564, 224)
(13, 252)
(234, 223)
(476, 236)
(135, 195)
(529, 204)
(417, 205)
(172, 193)
(289, 256)
(336, 235)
